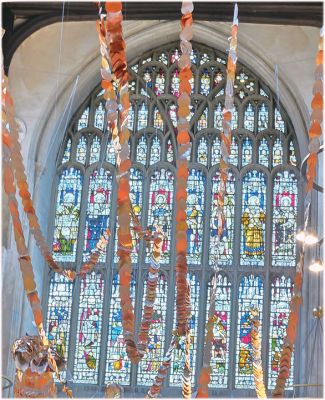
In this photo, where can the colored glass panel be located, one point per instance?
(94, 150)
(157, 119)
(218, 78)
(233, 157)
(277, 153)
(253, 218)
(285, 197)
(278, 121)
(148, 367)
(247, 151)
(170, 152)
(263, 153)
(99, 116)
(142, 149)
(292, 154)
(67, 152)
(202, 152)
(203, 120)
(172, 112)
(262, 117)
(98, 209)
(83, 120)
(130, 122)
(222, 251)
(281, 294)
(204, 58)
(86, 363)
(147, 77)
(234, 118)
(250, 295)
(175, 83)
(218, 116)
(163, 58)
(249, 117)
(175, 56)
(67, 215)
(205, 82)
(142, 116)
(221, 332)
(82, 150)
(216, 151)
(160, 83)
(110, 153)
(161, 208)
(155, 150)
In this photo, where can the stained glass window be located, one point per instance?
(118, 365)
(82, 150)
(98, 209)
(250, 295)
(142, 149)
(155, 150)
(161, 207)
(218, 116)
(67, 215)
(233, 157)
(277, 152)
(216, 151)
(94, 150)
(234, 118)
(281, 294)
(172, 112)
(148, 368)
(204, 58)
(263, 153)
(285, 197)
(203, 120)
(262, 118)
(195, 215)
(89, 329)
(202, 152)
(223, 252)
(110, 153)
(99, 116)
(249, 117)
(247, 151)
(178, 358)
(67, 152)
(221, 332)
(131, 117)
(83, 121)
(160, 83)
(217, 78)
(253, 218)
(147, 77)
(292, 154)
(175, 56)
(170, 152)
(142, 116)
(278, 121)
(163, 58)
(158, 122)
(205, 82)
(175, 83)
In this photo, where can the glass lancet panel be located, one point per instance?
(216, 151)
(205, 82)
(157, 119)
(148, 367)
(172, 112)
(81, 150)
(285, 197)
(250, 295)
(249, 117)
(253, 219)
(170, 152)
(195, 215)
(67, 152)
(247, 151)
(202, 152)
(233, 157)
(263, 153)
(175, 83)
(130, 122)
(218, 77)
(277, 153)
(218, 116)
(142, 116)
(160, 83)
(161, 208)
(142, 149)
(89, 327)
(222, 252)
(94, 150)
(278, 121)
(263, 117)
(204, 58)
(147, 77)
(155, 150)
(83, 120)
(67, 215)
(203, 120)
(163, 58)
(110, 153)
(234, 118)
(118, 365)
(178, 358)
(281, 294)
(99, 116)
(292, 154)
(98, 209)
(175, 56)
(221, 331)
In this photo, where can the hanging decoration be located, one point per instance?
(204, 379)
(114, 391)
(316, 117)
(256, 355)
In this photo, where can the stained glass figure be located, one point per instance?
(247, 151)
(83, 120)
(174, 89)
(233, 157)
(202, 123)
(175, 56)
(99, 116)
(281, 294)
(89, 327)
(195, 215)
(155, 150)
(278, 121)
(172, 112)
(67, 152)
(118, 365)
(59, 314)
(163, 58)
(81, 150)
(277, 153)
(178, 358)
(253, 219)
(285, 198)
(142, 149)
(94, 150)
(234, 118)
(218, 78)
(130, 122)
(67, 215)
(160, 83)
(263, 153)
(216, 151)
(161, 208)
(221, 332)
(110, 153)
(262, 117)
(148, 367)
(222, 251)
(147, 77)
(292, 154)
(218, 116)
(205, 82)
(250, 295)
(98, 209)
(142, 116)
(170, 152)
(249, 117)
(157, 119)
(202, 152)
